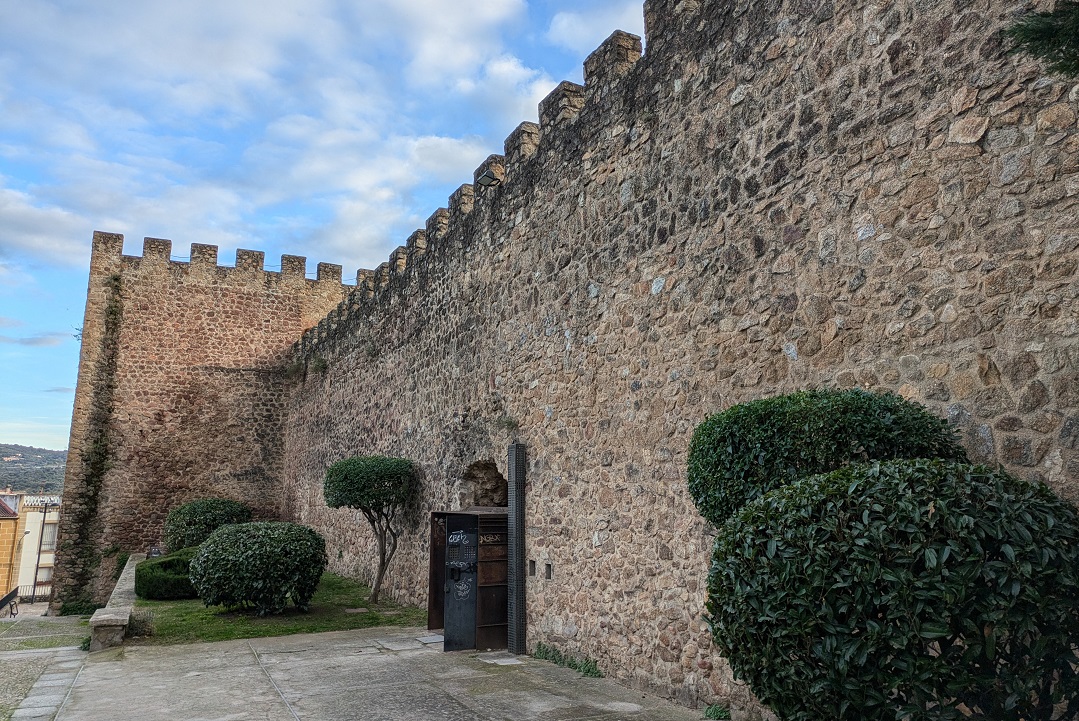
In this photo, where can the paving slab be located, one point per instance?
(33, 683)
(341, 676)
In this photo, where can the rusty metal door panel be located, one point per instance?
(491, 605)
(492, 573)
(492, 553)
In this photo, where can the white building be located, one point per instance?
(41, 518)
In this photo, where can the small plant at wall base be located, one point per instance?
(1052, 37)
(717, 712)
(166, 578)
(584, 666)
(380, 488)
(121, 563)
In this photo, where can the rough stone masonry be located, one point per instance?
(777, 195)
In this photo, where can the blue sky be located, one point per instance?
(324, 128)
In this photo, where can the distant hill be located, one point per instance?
(31, 470)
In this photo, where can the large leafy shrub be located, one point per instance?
(751, 448)
(166, 578)
(260, 565)
(379, 487)
(911, 589)
(192, 523)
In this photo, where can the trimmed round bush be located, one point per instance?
(192, 523)
(259, 565)
(166, 578)
(749, 449)
(911, 589)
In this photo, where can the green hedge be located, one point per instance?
(166, 578)
(903, 589)
(259, 565)
(747, 450)
(192, 523)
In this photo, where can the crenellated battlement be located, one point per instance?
(498, 176)
(107, 253)
(561, 106)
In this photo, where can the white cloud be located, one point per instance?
(193, 57)
(41, 340)
(48, 233)
(444, 160)
(381, 199)
(9, 322)
(440, 41)
(510, 90)
(583, 31)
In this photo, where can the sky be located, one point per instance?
(325, 128)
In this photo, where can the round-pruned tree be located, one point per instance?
(749, 449)
(379, 487)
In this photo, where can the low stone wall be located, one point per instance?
(108, 625)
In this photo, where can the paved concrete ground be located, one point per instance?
(380, 674)
(37, 655)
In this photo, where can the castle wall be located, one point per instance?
(777, 195)
(181, 394)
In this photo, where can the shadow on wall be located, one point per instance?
(483, 485)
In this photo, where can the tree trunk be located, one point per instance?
(380, 534)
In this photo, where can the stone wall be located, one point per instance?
(778, 195)
(181, 394)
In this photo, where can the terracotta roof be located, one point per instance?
(6, 512)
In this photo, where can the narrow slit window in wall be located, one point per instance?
(548, 571)
(531, 568)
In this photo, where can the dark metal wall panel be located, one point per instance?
(518, 464)
(436, 598)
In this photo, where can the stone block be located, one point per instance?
(108, 626)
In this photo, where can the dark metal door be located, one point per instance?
(461, 582)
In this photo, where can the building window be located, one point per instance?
(44, 575)
(48, 537)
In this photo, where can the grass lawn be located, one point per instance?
(191, 621)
